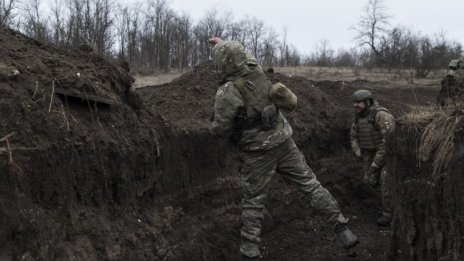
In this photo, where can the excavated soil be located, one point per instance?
(91, 170)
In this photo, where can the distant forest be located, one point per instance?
(152, 37)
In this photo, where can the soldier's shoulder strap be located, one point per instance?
(382, 109)
(374, 114)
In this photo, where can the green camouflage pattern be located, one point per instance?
(375, 138)
(375, 128)
(375, 179)
(259, 168)
(238, 111)
(239, 104)
(229, 58)
(283, 97)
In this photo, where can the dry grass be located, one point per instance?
(437, 140)
(349, 74)
(421, 114)
(318, 74)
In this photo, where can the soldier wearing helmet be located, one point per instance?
(368, 135)
(452, 85)
(245, 111)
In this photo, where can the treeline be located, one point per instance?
(152, 37)
(149, 35)
(399, 48)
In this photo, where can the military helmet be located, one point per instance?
(456, 64)
(229, 57)
(362, 95)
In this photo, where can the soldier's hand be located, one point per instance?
(213, 41)
(212, 117)
(358, 153)
(375, 166)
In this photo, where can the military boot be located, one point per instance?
(385, 219)
(348, 239)
(246, 258)
(249, 251)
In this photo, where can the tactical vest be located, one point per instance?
(368, 134)
(254, 88)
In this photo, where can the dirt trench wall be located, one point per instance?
(84, 157)
(66, 201)
(428, 215)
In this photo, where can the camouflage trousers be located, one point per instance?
(258, 170)
(375, 180)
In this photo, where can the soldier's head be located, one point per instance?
(456, 64)
(362, 100)
(229, 57)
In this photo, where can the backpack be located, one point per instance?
(283, 97)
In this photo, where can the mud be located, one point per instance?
(94, 171)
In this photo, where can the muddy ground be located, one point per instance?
(95, 171)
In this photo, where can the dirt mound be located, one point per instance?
(77, 142)
(188, 103)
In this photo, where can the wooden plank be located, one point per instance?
(85, 96)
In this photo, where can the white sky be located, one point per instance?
(310, 21)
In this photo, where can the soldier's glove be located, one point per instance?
(373, 177)
(212, 117)
(213, 41)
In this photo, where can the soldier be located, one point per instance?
(245, 112)
(368, 135)
(452, 86)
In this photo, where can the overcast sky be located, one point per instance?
(310, 21)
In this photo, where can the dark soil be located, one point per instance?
(97, 172)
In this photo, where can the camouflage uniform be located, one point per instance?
(239, 106)
(452, 86)
(368, 134)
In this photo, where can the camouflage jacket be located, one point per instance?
(370, 132)
(239, 117)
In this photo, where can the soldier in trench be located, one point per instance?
(452, 86)
(246, 113)
(368, 136)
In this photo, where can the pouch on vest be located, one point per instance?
(283, 97)
(269, 117)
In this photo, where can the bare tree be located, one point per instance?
(58, 30)
(345, 58)
(212, 24)
(182, 40)
(238, 31)
(7, 11)
(90, 22)
(256, 30)
(371, 25)
(128, 23)
(283, 48)
(270, 45)
(34, 25)
(149, 35)
(323, 54)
